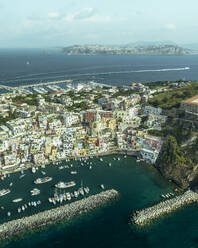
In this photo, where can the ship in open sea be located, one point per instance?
(63, 185)
(4, 192)
(42, 180)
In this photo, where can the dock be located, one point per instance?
(34, 222)
(146, 215)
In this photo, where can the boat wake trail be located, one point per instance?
(46, 76)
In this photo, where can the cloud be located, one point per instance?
(86, 15)
(53, 15)
(170, 26)
(83, 14)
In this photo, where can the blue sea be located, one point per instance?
(25, 66)
(139, 184)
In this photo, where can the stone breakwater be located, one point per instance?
(146, 215)
(19, 226)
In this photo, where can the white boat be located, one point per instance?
(73, 172)
(17, 200)
(86, 189)
(4, 192)
(33, 169)
(43, 172)
(102, 186)
(19, 210)
(90, 167)
(8, 213)
(11, 184)
(63, 185)
(42, 180)
(21, 176)
(35, 191)
(81, 191)
(109, 164)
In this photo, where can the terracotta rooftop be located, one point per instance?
(192, 100)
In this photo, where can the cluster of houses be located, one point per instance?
(50, 132)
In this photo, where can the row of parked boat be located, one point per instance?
(168, 195)
(59, 198)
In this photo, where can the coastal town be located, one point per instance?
(41, 128)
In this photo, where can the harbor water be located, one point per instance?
(139, 185)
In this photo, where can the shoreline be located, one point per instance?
(20, 226)
(145, 216)
(29, 166)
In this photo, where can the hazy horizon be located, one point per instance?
(62, 23)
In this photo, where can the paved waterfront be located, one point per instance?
(16, 227)
(146, 215)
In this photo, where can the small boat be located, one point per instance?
(17, 200)
(86, 189)
(102, 186)
(42, 180)
(35, 191)
(73, 172)
(8, 213)
(118, 158)
(101, 159)
(90, 167)
(11, 184)
(19, 210)
(109, 164)
(21, 176)
(4, 192)
(33, 169)
(76, 193)
(63, 185)
(43, 172)
(23, 208)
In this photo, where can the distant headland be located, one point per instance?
(158, 49)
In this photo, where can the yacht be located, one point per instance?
(4, 192)
(63, 185)
(42, 180)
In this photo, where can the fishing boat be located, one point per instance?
(17, 200)
(4, 192)
(42, 180)
(63, 185)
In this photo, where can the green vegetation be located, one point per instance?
(78, 106)
(29, 99)
(172, 98)
(11, 116)
(123, 93)
(172, 154)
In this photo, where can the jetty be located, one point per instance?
(146, 215)
(34, 222)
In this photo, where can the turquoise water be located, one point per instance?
(139, 186)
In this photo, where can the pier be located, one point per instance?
(16, 227)
(146, 215)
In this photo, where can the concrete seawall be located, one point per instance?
(19, 226)
(146, 215)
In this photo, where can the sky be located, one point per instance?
(57, 23)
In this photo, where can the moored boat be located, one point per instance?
(63, 185)
(17, 200)
(4, 192)
(42, 180)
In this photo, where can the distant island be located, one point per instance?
(127, 50)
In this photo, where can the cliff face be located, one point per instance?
(182, 175)
(176, 162)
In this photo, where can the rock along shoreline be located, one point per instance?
(19, 226)
(146, 215)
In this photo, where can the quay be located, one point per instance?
(146, 215)
(16, 227)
